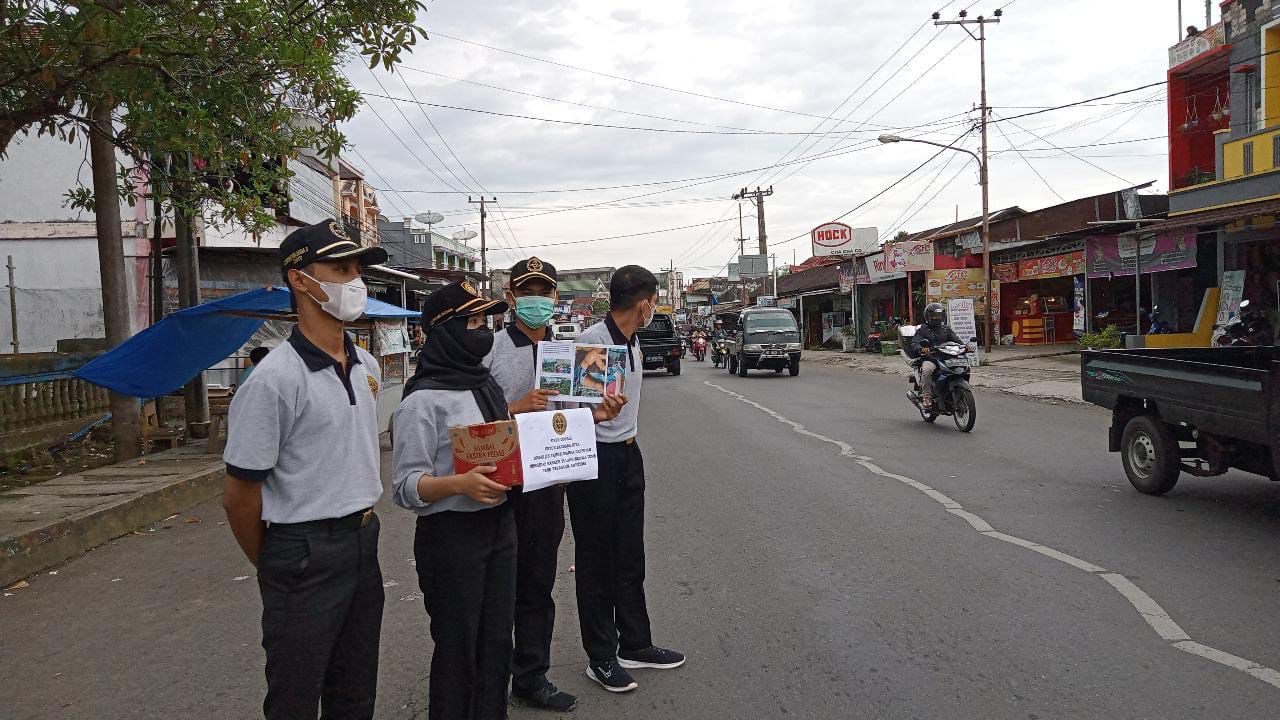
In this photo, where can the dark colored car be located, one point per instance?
(660, 345)
(767, 339)
(1199, 411)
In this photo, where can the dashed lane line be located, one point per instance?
(1148, 609)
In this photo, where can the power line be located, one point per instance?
(855, 91)
(656, 86)
(549, 98)
(580, 123)
(891, 186)
(845, 135)
(462, 165)
(1086, 162)
(1029, 165)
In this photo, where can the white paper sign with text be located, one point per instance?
(556, 447)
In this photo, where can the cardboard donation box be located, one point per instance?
(496, 444)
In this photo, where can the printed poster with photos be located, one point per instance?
(580, 372)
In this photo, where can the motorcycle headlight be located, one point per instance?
(793, 346)
(753, 348)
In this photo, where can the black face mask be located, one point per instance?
(477, 342)
(453, 359)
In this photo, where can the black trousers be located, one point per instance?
(321, 618)
(539, 527)
(608, 533)
(467, 571)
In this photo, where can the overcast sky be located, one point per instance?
(798, 60)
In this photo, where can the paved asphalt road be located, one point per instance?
(803, 577)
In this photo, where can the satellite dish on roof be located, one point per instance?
(429, 218)
(464, 235)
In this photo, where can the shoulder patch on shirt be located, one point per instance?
(373, 385)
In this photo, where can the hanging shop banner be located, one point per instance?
(1113, 256)
(1052, 266)
(944, 285)
(911, 256)
(877, 272)
(848, 278)
(1005, 272)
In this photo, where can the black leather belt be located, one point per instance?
(354, 521)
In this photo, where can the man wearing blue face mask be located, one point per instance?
(539, 514)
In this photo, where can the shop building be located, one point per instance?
(1234, 208)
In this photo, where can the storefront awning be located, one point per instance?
(1210, 218)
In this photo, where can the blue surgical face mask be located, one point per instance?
(535, 312)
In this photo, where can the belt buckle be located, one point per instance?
(366, 517)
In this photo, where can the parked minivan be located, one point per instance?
(767, 339)
(565, 331)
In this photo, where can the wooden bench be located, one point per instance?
(155, 435)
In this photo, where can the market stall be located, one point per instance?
(1039, 298)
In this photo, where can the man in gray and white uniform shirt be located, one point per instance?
(302, 478)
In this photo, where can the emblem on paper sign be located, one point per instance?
(373, 386)
(466, 285)
(337, 230)
(560, 423)
(535, 265)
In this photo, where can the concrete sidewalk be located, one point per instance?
(53, 521)
(1045, 373)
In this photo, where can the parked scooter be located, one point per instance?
(878, 329)
(951, 393)
(1248, 329)
(1156, 326)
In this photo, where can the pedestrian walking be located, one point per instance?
(465, 541)
(302, 479)
(608, 513)
(539, 515)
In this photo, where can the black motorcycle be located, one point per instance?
(951, 393)
(1248, 329)
(719, 352)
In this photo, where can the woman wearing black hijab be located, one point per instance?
(465, 543)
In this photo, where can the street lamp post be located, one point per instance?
(986, 226)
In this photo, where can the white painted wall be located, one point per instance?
(36, 174)
(59, 292)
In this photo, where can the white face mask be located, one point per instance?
(649, 321)
(346, 300)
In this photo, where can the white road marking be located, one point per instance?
(1148, 609)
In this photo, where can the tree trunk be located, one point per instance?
(125, 424)
(187, 258)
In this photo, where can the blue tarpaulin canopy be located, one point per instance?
(165, 356)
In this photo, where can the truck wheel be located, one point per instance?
(1150, 455)
(794, 368)
(742, 367)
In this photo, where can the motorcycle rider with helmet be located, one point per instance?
(932, 333)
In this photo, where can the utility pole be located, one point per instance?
(13, 306)
(195, 394)
(758, 197)
(985, 110)
(484, 256)
(126, 429)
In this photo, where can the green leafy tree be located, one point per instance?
(206, 96)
